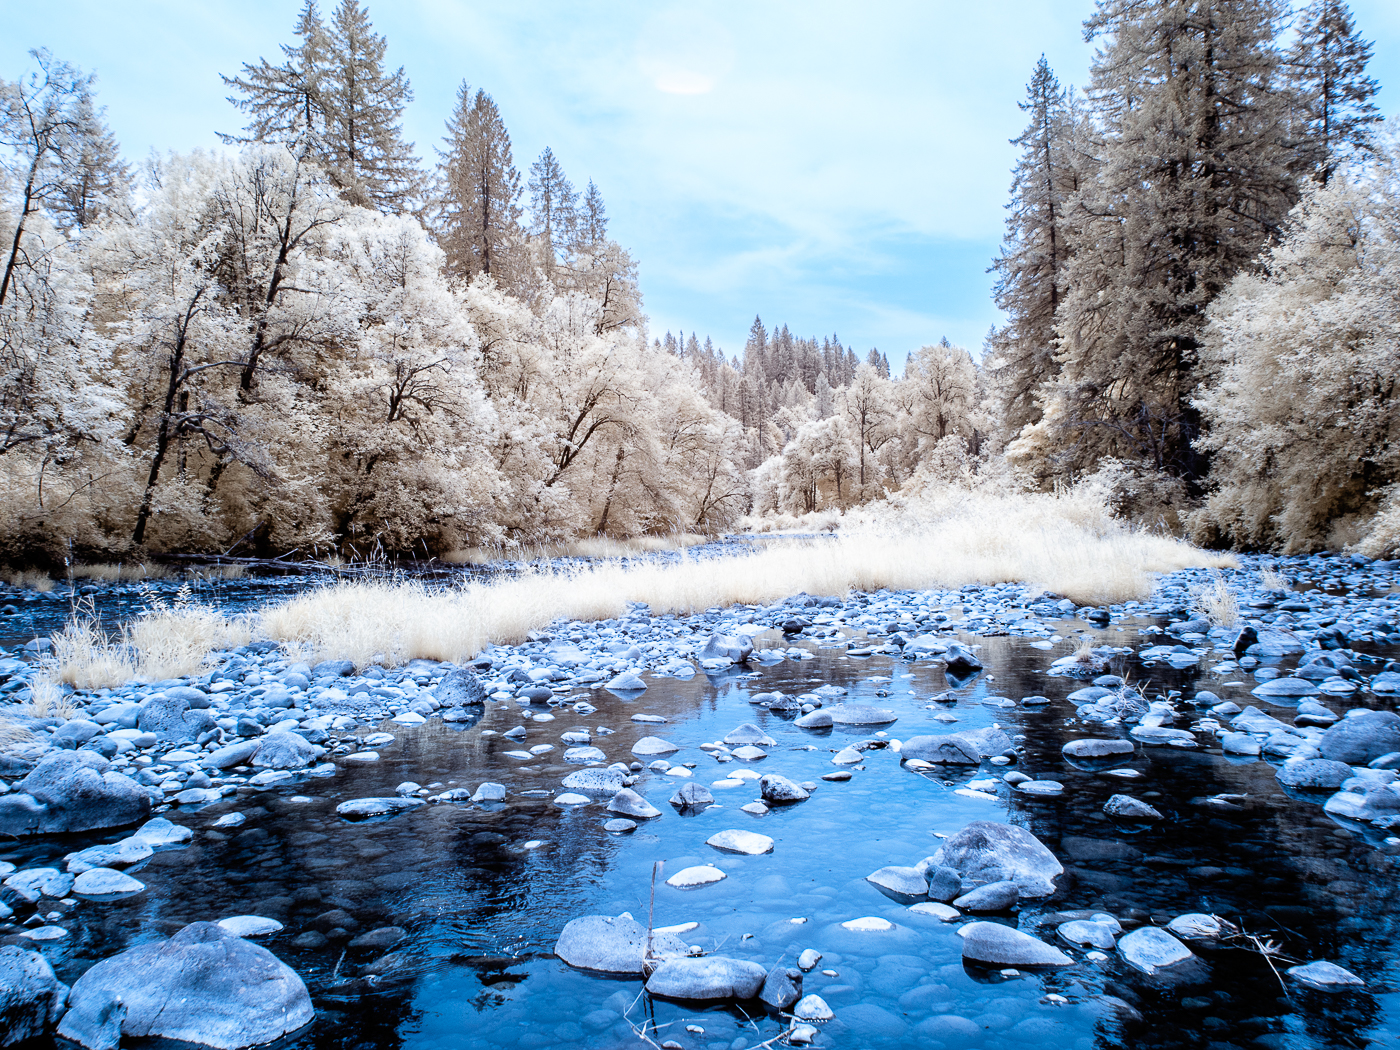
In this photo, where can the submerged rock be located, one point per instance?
(628, 803)
(748, 733)
(1325, 977)
(713, 977)
(749, 842)
(613, 944)
(905, 885)
(1094, 748)
(691, 794)
(986, 852)
(1125, 807)
(204, 985)
(861, 715)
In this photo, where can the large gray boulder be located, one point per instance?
(1315, 774)
(460, 687)
(986, 852)
(204, 985)
(613, 944)
(31, 997)
(72, 791)
(966, 748)
(283, 750)
(1358, 740)
(713, 977)
(172, 719)
(998, 945)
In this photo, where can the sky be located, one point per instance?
(839, 168)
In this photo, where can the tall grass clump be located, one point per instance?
(584, 547)
(168, 640)
(119, 572)
(1064, 544)
(27, 579)
(1218, 602)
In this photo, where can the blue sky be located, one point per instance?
(836, 167)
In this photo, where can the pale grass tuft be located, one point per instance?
(30, 579)
(225, 571)
(1218, 602)
(11, 732)
(1061, 544)
(47, 700)
(1272, 580)
(166, 641)
(120, 572)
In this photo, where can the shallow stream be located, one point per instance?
(482, 891)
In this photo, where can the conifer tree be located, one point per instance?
(591, 225)
(552, 200)
(1327, 70)
(479, 218)
(334, 91)
(1031, 268)
(97, 181)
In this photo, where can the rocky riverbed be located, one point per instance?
(959, 819)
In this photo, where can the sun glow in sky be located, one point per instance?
(835, 167)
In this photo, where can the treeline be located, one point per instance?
(317, 343)
(321, 343)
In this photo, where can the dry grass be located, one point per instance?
(27, 579)
(167, 641)
(1058, 543)
(1272, 580)
(1218, 602)
(227, 571)
(47, 700)
(120, 572)
(11, 732)
(584, 547)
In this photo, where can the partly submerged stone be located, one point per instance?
(712, 977)
(987, 852)
(749, 842)
(998, 945)
(1325, 977)
(613, 944)
(1151, 949)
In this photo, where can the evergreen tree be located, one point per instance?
(1195, 177)
(591, 227)
(1031, 268)
(479, 218)
(97, 180)
(334, 91)
(286, 102)
(1327, 70)
(553, 201)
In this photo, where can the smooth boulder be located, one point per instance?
(986, 852)
(1358, 740)
(966, 748)
(998, 945)
(282, 750)
(204, 985)
(1151, 949)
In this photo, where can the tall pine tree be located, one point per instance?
(1327, 70)
(333, 92)
(1195, 176)
(1031, 268)
(479, 214)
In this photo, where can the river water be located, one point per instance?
(482, 891)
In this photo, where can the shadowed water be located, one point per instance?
(483, 891)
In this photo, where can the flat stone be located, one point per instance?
(712, 977)
(749, 842)
(654, 745)
(861, 715)
(748, 733)
(1098, 748)
(902, 884)
(105, 882)
(1125, 807)
(696, 876)
(1084, 933)
(250, 925)
(1151, 949)
(994, 896)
